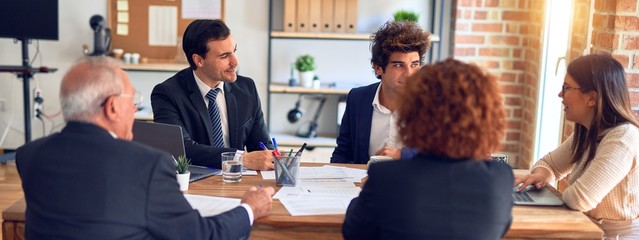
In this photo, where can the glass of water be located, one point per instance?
(232, 167)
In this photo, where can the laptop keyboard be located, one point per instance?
(521, 197)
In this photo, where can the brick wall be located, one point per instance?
(616, 31)
(504, 36)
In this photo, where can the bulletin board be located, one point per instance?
(136, 40)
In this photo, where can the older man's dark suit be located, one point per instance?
(179, 101)
(82, 183)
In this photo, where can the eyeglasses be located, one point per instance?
(565, 88)
(137, 98)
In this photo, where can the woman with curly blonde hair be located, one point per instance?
(451, 113)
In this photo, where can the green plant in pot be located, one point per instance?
(182, 164)
(405, 15)
(305, 65)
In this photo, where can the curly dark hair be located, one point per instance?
(198, 34)
(401, 36)
(451, 109)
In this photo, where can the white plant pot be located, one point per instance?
(306, 79)
(183, 181)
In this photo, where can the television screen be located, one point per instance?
(33, 19)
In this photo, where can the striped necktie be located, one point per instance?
(216, 122)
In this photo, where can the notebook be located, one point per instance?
(168, 137)
(536, 197)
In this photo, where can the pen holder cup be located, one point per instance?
(287, 169)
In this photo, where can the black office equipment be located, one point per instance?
(24, 20)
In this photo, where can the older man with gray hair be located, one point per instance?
(90, 182)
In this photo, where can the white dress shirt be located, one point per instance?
(221, 104)
(383, 127)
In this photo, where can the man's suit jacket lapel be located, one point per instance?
(365, 117)
(198, 101)
(231, 112)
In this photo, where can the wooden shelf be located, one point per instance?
(156, 66)
(295, 141)
(275, 88)
(337, 36)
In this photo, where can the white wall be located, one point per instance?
(247, 19)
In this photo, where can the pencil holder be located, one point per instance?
(286, 170)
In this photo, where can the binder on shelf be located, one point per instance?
(351, 16)
(327, 15)
(315, 15)
(290, 13)
(339, 16)
(302, 15)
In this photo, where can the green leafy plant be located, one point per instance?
(405, 15)
(305, 63)
(182, 164)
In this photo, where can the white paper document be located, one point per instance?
(266, 175)
(317, 192)
(315, 206)
(211, 206)
(163, 26)
(208, 9)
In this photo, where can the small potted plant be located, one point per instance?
(405, 15)
(182, 168)
(305, 65)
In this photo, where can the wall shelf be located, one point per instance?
(276, 88)
(327, 36)
(155, 66)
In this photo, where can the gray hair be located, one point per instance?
(86, 85)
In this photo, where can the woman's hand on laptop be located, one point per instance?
(259, 160)
(539, 178)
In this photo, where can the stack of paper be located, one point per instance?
(320, 190)
(210, 206)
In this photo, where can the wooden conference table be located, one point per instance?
(528, 222)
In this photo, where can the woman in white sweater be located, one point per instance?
(600, 159)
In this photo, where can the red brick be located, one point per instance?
(517, 113)
(515, 16)
(487, 27)
(469, 39)
(631, 43)
(626, 5)
(491, 64)
(615, 41)
(468, 14)
(523, 29)
(494, 52)
(636, 63)
(513, 136)
(627, 23)
(504, 40)
(523, 4)
(516, 53)
(465, 52)
(480, 15)
(508, 77)
(462, 27)
(492, 3)
(512, 89)
(458, 14)
(512, 101)
(634, 98)
(466, 3)
(519, 65)
(623, 59)
(602, 39)
(513, 124)
(633, 80)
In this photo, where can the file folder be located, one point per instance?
(290, 13)
(339, 16)
(351, 16)
(315, 15)
(327, 15)
(302, 15)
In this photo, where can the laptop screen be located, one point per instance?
(162, 136)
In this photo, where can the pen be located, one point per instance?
(275, 151)
(262, 146)
(299, 153)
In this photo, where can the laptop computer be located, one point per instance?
(536, 197)
(168, 137)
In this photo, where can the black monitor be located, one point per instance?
(29, 19)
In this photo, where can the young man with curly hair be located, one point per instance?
(368, 127)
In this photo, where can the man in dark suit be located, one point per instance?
(233, 119)
(90, 182)
(368, 125)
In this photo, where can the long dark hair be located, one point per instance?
(606, 77)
